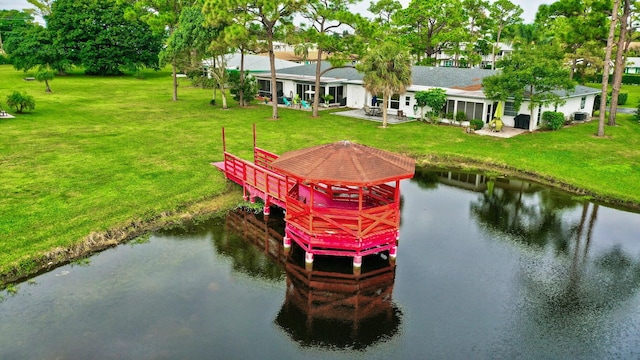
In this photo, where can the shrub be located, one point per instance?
(622, 98)
(461, 116)
(449, 115)
(553, 120)
(21, 102)
(476, 124)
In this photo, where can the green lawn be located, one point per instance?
(103, 154)
(632, 90)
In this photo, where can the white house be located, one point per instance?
(463, 88)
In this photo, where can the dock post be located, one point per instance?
(393, 253)
(357, 264)
(286, 242)
(308, 261)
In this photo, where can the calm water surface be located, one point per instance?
(486, 269)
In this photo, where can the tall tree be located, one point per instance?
(268, 13)
(162, 16)
(384, 9)
(327, 19)
(620, 60)
(94, 34)
(430, 26)
(33, 47)
(387, 70)
(606, 67)
(503, 13)
(534, 75)
(575, 24)
(193, 41)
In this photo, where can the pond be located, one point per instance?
(487, 268)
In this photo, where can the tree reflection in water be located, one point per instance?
(572, 282)
(327, 307)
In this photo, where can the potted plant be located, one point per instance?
(327, 98)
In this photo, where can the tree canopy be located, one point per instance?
(532, 75)
(94, 34)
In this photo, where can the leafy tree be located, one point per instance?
(247, 88)
(94, 34)
(429, 26)
(43, 7)
(387, 70)
(268, 13)
(435, 98)
(326, 18)
(384, 9)
(45, 74)
(192, 41)
(503, 13)
(13, 21)
(21, 102)
(534, 74)
(162, 16)
(33, 47)
(574, 24)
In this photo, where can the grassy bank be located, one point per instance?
(100, 154)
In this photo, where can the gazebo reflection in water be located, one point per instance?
(327, 306)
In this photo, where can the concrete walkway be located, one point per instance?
(506, 132)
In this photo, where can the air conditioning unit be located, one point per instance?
(579, 116)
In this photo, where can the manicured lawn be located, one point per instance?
(632, 90)
(99, 154)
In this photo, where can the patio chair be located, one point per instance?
(286, 101)
(367, 110)
(305, 104)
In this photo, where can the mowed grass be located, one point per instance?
(102, 152)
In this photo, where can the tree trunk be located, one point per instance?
(385, 101)
(493, 52)
(224, 97)
(174, 73)
(605, 70)
(46, 83)
(316, 95)
(619, 64)
(274, 84)
(241, 92)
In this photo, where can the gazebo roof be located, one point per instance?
(345, 163)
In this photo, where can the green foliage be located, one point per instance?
(94, 34)
(476, 124)
(45, 75)
(531, 74)
(249, 88)
(637, 113)
(387, 70)
(33, 47)
(461, 116)
(622, 98)
(21, 102)
(553, 120)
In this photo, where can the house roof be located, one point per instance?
(455, 80)
(443, 77)
(256, 63)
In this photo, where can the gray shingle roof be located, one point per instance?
(442, 77)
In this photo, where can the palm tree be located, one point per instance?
(387, 69)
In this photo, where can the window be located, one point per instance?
(509, 109)
(448, 63)
(583, 102)
(394, 102)
(407, 100)
(337, 92)
(264, 88)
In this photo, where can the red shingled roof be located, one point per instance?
(345, 163)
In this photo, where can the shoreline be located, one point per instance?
(98, 241)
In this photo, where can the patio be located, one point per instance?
(359, 113)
